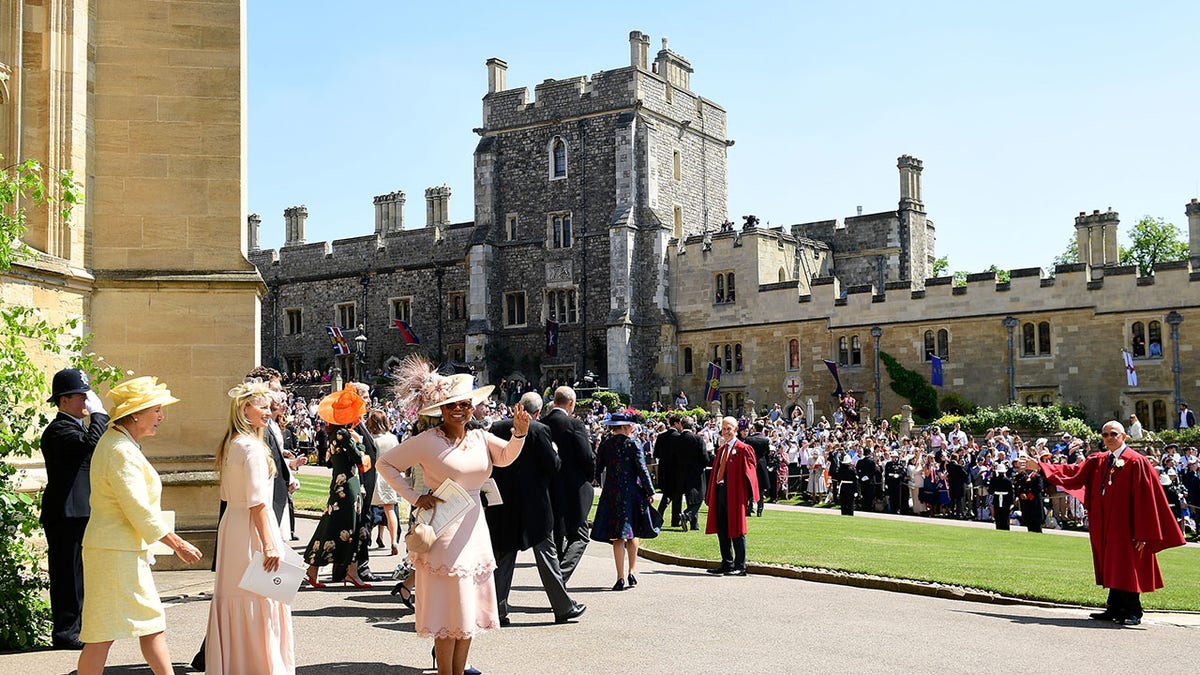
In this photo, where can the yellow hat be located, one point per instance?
(137, 394)
(343, 407)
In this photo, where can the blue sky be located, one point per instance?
(1024, 113)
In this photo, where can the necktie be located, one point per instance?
(724, 461)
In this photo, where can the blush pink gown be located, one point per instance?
(247, 633)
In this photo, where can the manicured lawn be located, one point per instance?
(313, 493)
(1018, 564)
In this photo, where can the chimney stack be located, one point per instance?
(639, 49)
(437, 209)
(1096, 238)
(253, 221)
(1193, 215)
(497, 71)
(910, 183)
(389, 213)
(293, 219)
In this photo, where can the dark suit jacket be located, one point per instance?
(67, 449)
(667, 448)
(691, 461)
(279, 498)
(368, 479)
(526, 517)
(572, 491)
(762, 446)
(1191, 419)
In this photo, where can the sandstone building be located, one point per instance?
(600, 204)
(145, 102)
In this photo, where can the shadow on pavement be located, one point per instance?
(358, 669)
(1060, 621)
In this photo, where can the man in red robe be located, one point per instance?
(1129, 521)
(732, 483)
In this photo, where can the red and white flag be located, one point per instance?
(1130, 371)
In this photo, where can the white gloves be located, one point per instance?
(94, 404)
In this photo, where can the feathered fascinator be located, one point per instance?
(251, 388)
(419, 387)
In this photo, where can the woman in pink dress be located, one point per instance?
(247, 632)
(456, 596)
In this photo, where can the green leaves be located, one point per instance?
(912, 386)
(1153, 240)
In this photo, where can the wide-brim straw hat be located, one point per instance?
(619, 419)
(343, 407)
(461, 389)
(138, 394)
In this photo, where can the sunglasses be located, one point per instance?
(1111, 434)
(459, 404)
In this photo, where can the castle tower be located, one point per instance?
(910, 182)
(497, 71)
(915, 228)
(437, 206)
(639, 50)
(1193, 214)
(293, 221)
(389, 213)
(253, 224)
(1096, 236)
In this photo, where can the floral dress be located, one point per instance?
(336, 537)
(624, 508)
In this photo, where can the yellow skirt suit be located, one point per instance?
(120, 599)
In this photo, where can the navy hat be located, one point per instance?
(620, 418)
(69, 381)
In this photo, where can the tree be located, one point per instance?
(1153, 240)
(912, 386)
(1069, 256)
(941, 266)
(26, 335)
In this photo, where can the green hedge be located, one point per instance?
(1047, 420)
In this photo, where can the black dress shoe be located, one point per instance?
(68, 644)
(505, 621)
(718, 571)
(760, 508)
(1106, 615)
(1130, 621)
(574, 613)
(736, 572)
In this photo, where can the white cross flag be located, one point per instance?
(1130, 371)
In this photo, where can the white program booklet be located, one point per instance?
(281, 584)
(492, 492)
(454, 505)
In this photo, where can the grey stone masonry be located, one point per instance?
(1096, 236)
(1192, 209)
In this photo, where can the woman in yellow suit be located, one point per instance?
(121, 600)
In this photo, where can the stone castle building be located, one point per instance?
(601, 205)
(145, 103)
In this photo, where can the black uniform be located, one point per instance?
(1030, 489)
(691, 462)
(867, 471)
(762, 448)
(893, 483)
(1001, 489)
(667, 448)
(847, 479)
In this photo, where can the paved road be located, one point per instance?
(681, 620)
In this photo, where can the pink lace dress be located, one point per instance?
(456, 597)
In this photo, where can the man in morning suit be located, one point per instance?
(572, 492)
(867, 470)
(762, 448)
(690, 463)
(732, 483)
(525, 518)
(666, 451)
(67, 446)
(1129, 520)
(368, 478)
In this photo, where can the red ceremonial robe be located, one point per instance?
(741, 486)
(1133, 508)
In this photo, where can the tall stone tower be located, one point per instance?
(1096, 236)
(578, 194)
(915, 228)
(1193, 215)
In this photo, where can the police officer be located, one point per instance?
(847, 479)
(1029, 487)
(893, 482)
(1001, 490)
(868, 472)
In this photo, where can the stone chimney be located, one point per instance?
(639, 50)
(389, 213)
(293, 220)
(497, 71)
(1193, 214)
(910, 183)
(253, 222)
(1096, 236)
(673, 68)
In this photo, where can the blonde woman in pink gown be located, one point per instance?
(456, 596)
(247, 632)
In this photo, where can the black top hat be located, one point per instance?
(69, 381)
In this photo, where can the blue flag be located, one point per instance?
(837, 380)
(935, 377)
(712, 385)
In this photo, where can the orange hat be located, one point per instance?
(343, 407)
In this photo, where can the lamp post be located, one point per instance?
(1173, 320)
(360, 351)
(876, 333)
(1010, 322)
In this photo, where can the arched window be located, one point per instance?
(943, 343)
(687, 360)
(793, 354)
(558, 158)
(1138, 337)
(1046, 400)
(1028, 344)
(1030, 401)
(719, 296)
(855, 351)
(1044, 337)
(843, 351)
(1154, 340)
(728, 359)
(929, 345)
(1160, 414)
(737, 357)
(782, 274)
(1142, 410)
(729, 287)
(676, 166)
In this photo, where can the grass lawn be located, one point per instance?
(313, 493)
(1019, 564)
